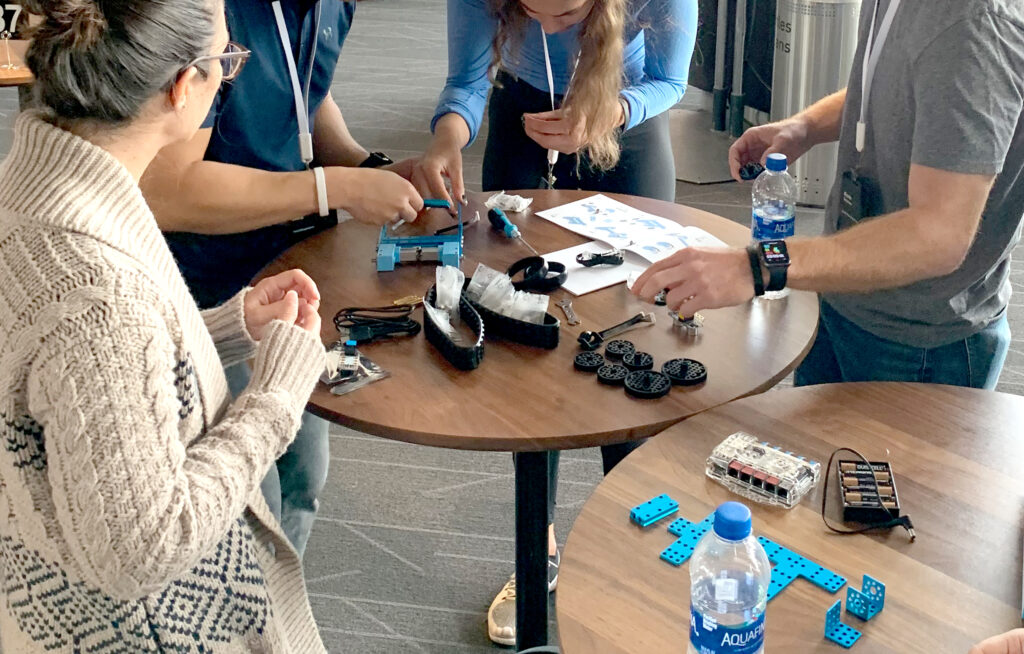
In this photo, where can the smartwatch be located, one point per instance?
(755, 268)
(376, 160)
(775, 256)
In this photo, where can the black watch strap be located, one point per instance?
(376, 160)
(755, 269)
(776, 278)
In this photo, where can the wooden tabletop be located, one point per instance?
(19, 75)
(529, 399)
(955, 455)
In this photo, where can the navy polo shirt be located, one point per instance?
(254, 125)
(253, 117)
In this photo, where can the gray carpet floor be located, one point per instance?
(413, 542)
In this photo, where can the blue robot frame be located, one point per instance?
(445, 249)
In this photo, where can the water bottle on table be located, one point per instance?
(729, 578)
(774, 206)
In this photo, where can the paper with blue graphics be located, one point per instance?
(621, 226)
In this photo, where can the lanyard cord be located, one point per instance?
(552, 153)
(872, 51)
(301, 96)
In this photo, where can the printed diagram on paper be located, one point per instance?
(644, 237)
(621, 226)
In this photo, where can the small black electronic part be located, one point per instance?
(593, 340)
(868, 495)
(349, 357)
(367, 324)
(689, 325)
(615, 350)
(588, 361)
(609, 258)
(647, 384)
(661, 299)
(612, 374)
(638, 361)
(685, 372)
(751, 171)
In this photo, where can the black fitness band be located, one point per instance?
(538, 275)
(755, 269)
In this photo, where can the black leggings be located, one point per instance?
(514, 161)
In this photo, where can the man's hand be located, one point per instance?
(372, 195)
(291, 296)
(790, 137)
(403, 168)
(553, 130)
(1012, 642)
(699, 278)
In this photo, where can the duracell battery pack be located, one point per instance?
(867, 490)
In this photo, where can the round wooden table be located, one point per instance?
(954, 453)
(529, 400)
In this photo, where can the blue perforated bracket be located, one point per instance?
(866, 603)
(689, 535)
(653, 510)
(789, 565)
(836, 631)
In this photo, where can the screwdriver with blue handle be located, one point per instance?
(500, 222)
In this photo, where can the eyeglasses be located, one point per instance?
(232, 60)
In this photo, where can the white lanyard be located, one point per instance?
(301, 99)
(872, 51)
(552, 153)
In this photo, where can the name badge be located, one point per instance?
(851, 200)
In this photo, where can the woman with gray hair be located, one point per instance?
(129, 480)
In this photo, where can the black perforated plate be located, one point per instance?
(685, 372)
(647, 384)
(612, 374)
(638, 361)
(615, 350)
(588, 361)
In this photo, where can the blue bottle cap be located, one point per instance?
(732, 521)
(776, 162)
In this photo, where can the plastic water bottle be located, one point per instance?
(729, 578)
(774, 207)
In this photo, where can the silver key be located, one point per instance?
(570, 315)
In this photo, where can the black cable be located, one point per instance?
(888, 523)
(366, 324)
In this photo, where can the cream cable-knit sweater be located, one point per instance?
(130, 513)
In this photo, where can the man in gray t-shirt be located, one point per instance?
(914, 277)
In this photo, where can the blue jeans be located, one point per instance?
(843, 352)
(293, 485)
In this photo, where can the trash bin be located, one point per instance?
(815, 41)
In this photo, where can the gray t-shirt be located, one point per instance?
(948, 93)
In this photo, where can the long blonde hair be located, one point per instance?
(595, 89)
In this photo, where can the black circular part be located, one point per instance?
(612, 374)
(588, 361)
(685, 372)
(638, 361)
(589, 340)
(615, 350)
(647, 384)
(751, 170)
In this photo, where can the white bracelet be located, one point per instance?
(321, 191)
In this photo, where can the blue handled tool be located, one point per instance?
(500, 222)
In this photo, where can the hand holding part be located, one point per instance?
(593, 340)
(609, 258)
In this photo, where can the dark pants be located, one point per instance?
(843, 352)
(514, 161)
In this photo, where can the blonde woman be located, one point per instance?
(580, 94)
(132, 518)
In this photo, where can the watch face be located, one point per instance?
(775, 253)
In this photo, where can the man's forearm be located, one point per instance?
(824, 118)
(886, 252)
(332, 142)
(215, 198)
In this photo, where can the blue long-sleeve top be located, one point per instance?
(659, 41)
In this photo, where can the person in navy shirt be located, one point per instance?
(240, 192)
(587, 81)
